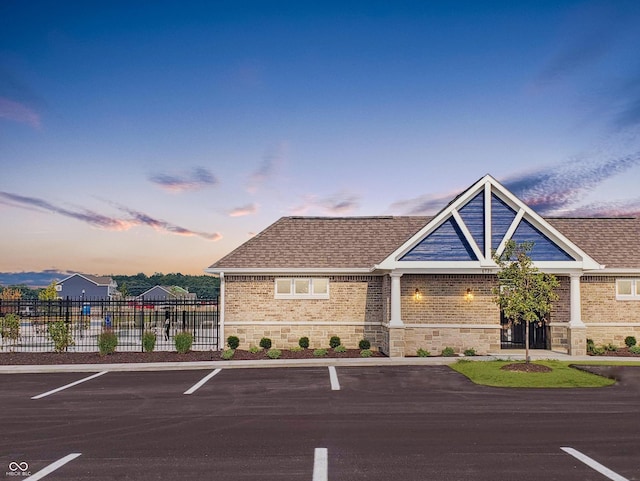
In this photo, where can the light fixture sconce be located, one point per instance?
(417, 296)
(468, 296)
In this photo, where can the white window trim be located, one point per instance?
(292, 293)
(635, 290)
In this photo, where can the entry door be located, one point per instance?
(512, 334)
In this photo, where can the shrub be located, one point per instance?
(630, 341)
(334, 342)
(304, 342)
(470, 352)
(634, 349)
(60, 334)
(233, 342)
(274, 353)
(227, 354)
(610, 347)
(183, 341)
(364, 344)
(598, 350)
(366, 353)
(149, 341)
(107, 342)
(423, 353)
(340, 348)
(265, 343)
(10, 327)
(319, 352)
(448, 352)
(590, 346)
(254, 349)
(297, 349)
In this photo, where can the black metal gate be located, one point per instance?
(512, 335)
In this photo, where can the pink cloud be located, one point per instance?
(18, 112)
(244, 210)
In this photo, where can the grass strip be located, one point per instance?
(489, 373)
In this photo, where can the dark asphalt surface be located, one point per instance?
(385, 424)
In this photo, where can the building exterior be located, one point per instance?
(85, 286)
(167, 293)
(406, 283)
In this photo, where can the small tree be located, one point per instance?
(49, 293)
(524, 293)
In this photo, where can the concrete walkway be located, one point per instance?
(515, 355)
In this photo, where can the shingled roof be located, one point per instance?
(323, 243)
(362, 242)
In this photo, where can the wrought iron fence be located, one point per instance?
(87, 318)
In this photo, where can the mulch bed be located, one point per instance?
(44, 358)
(621, 352)
(525, 367)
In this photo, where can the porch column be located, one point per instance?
(221, 313)
(396, 326)
(396, 301)
(577, 331)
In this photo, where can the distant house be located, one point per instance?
(167, 293)
(409, 283)
(86, 286)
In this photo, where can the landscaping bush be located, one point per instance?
(334, 342)
(598, 350)
(366, 353)
(630, 341)
(265, 343)
(149, 341)
(448, 352)
(610, 347)
(470, 352)
(254, 349)
(107, 342)
(364, 344)
(340, 348)
(634, 349)
(304, 342)
(297, 349)
(228, 354)
(423, 353)
(274, 353)
(60, 334)
(183, 341)
(10, 327)
(320, 352)
(590, 346)
(233, 342)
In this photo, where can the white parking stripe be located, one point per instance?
(593, 464)
(52, 467)
(48, 393)
(320, 465)
(200, 383)
(333, 375)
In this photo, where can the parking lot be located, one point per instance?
(313, 423)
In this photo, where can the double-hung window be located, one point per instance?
(301, 288)
(628, 289)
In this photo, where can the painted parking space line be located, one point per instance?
(202, 381)
(333, 376)
(52, 467)
(320, 465)
(67, 386)
(593, 464)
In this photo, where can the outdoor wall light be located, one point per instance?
(417, 295)
(468, 296)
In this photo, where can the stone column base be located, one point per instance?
(577, 341)
(396, 341)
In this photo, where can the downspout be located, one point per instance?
(221, 314)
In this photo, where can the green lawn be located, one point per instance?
(488, 373)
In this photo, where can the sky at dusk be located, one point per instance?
(158, 136)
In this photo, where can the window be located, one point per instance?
(628, 289)
(302, 288)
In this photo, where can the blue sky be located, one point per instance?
(158, 136)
